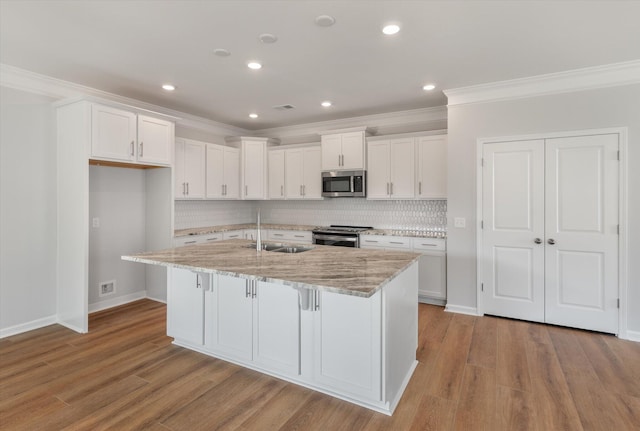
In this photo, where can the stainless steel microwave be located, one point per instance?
(340, 184)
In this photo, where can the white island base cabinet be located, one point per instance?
(362, 350)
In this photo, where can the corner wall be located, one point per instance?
(580, 110)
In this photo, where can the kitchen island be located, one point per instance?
(342, 321)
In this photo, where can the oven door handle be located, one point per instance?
(335, 238)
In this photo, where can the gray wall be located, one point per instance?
(27, 208)
(601, 108)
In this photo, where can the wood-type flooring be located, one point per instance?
(474, 373)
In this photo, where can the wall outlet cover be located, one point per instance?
(107, 288)
(460, 222)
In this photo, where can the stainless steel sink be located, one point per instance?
(279, 247)
(293, 249)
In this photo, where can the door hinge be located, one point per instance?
(482, 287)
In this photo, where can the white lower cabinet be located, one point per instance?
(348, 359)
(185, 305)
(299, 236)
(255, 321)
(233, 234)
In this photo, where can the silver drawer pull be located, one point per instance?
(189, 242)
(430, 245)
(213, 239)
(396, 242)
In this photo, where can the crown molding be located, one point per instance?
(625, 73)
(31, 82)
(392, 122)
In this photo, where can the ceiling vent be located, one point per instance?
(286, 107)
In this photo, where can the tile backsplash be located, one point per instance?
(410, 215)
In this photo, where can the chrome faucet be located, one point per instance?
(258, 236)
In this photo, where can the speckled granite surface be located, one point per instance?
(226, 228)
(229, 227)
(350, 271)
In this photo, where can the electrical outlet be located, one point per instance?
(96, 222)
(460, 222)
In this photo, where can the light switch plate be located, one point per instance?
(96, 222)
(460, 222)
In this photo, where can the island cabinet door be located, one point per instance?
(231, 330)
(348, 344)
(185, 305)
(276, 320)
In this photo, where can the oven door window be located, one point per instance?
(336, 184)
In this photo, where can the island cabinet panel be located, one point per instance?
(185, 305)
(256, 322)
(276, 330)
(348, 344)
(232, 330)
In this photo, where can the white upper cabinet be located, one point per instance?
(431, 174)
(189, 169)
(276, 174)
(154, 140)
(391, 173)
(343, 151)
(253, 168)
(122, 136)
(303, 170)
(222, 172)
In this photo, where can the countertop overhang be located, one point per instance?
(350, 271)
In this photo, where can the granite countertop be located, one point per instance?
(350, 271)
(225, 228)
(229, 227)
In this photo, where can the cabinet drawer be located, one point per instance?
(290, 235)
(212, 237)
(186, 240)
(233, 234)
(429, 244)
(384, 241)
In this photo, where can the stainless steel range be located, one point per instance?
(343, 236)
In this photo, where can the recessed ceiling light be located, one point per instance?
(428, 87)
(326, 103)
(268, 38)
(254, 65)
(253, 115)
(168, 87)
(390, 29)
(325, 20)
(220, 52)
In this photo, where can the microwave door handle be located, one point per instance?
(351, 183)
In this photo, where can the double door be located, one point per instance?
(550, 231)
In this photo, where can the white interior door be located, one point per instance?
(513, 217)
(581, 260)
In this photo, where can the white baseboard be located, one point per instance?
(120, 300)
(633, 336)
(164, 301)
(28, 326)
(432, 301)
(461, 309)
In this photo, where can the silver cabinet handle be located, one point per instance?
(304, 190)
(281, 190)
(433, 245)
(255, 289)
(537, 241)
(300, 189)
(198, 283)
(316, 301)
(189, 242)
(551, 241)
(370, 240)
(388, 188)
(187, 189)
(246, 289)
(132, 147)
(396, 242)
(420, 187)
(141, 148)
(278, 234)
(246, 190)
(391, 188)
(184, 189)
(339, 158)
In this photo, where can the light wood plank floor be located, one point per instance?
(475, 373)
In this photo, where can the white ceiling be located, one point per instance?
(131, 47)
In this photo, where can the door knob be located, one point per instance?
(551, 241)
(537, 241)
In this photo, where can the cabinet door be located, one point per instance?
(277, 328)
(353, 150)
(233, 234)
(185, 306)
(311, 173)
(233, 314)
(331, 152)
(378, 170)
(431, 175)
(113, 133)
(214, 172)
(432, 275)
(402, 168)
(293, 180)
(154, 140)
(231, 173)
(194, 165)
(253, 170)
(276, 166)
(178, 170)
(347, 338)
